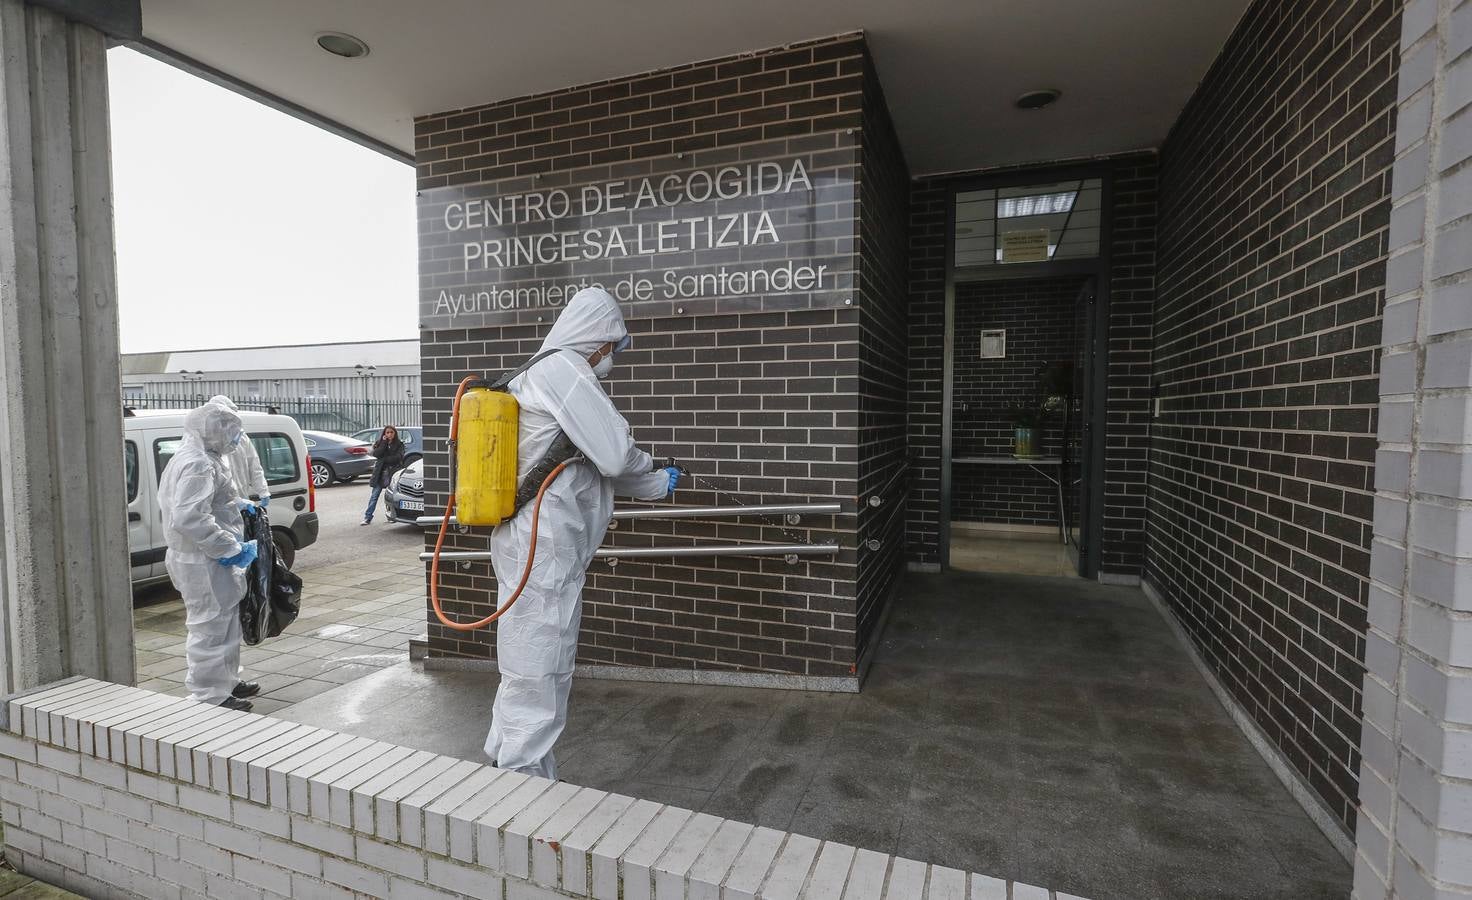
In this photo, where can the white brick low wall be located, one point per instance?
(118, 792)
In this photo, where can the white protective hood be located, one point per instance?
(213, 426)
(592, 318)
(245, 465)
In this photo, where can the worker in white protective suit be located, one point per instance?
(536, 640)
(245, 463)
(206, 557)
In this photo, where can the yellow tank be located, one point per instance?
(485, 457)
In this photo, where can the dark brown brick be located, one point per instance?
(1313, 247)
(696, 386)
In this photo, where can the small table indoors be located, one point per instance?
(1039, 464)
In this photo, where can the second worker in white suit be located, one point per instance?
(536, 640)
(207, 554)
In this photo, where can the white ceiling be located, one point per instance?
(950, 68)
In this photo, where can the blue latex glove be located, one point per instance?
(674, 474)
(265, 501)
(245, 557)
(245, 506)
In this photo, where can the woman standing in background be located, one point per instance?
(389, 451)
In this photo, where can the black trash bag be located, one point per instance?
(273, 593)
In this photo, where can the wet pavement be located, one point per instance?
(1043, 729)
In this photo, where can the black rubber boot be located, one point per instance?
(244, 689)
(237, 704)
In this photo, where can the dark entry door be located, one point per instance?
(1029, 226)
(1080, 434)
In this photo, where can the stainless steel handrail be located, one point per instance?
(696, 512)
(713, 512)
(828, 549)
(881, 496)
(881, 524)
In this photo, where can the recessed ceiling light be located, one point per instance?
(344, 45)
(1038, 99)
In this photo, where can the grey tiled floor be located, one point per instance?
(1047, 730)
(357, 618)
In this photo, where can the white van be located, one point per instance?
(151, 436)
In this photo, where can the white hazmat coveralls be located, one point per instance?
(245, 464)
(536, 640)
(202, 525)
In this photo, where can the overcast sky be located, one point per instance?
(239, 226)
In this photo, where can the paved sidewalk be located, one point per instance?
(15, 886)
(357, 617)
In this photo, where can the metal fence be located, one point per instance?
(314, 414)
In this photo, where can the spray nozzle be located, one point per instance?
(671, 463)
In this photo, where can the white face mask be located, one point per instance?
(605, 365)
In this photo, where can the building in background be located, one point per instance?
(331, 387)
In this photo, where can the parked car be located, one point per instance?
(150, 439)
(411, 435)
(403, 500)
(337, 457)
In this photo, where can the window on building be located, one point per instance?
(252, 390)
(1028, 223)
(314, 388)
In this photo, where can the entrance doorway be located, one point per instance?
(1023, 381)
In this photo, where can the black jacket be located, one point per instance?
(390, 456)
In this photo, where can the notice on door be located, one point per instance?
(1025, 246)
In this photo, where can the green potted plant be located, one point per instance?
(1027, 421)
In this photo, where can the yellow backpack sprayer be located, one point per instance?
(483, 486)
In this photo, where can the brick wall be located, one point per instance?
(1039, 317)
(883, 355)
(1273, 214)
(112, 791)
(927, 284)
(1132, 262)
(1412, 829)
(1131, 230)
(764, 395)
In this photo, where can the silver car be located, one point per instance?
(403, 500)
(337, 457)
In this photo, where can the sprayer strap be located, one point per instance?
(561, 450)
(501, 383)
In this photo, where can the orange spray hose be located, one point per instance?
(531, 552)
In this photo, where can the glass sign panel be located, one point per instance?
(765, 234)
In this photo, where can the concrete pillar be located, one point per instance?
(1414, 836)
(65, 599)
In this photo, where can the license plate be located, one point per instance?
(415, 505)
